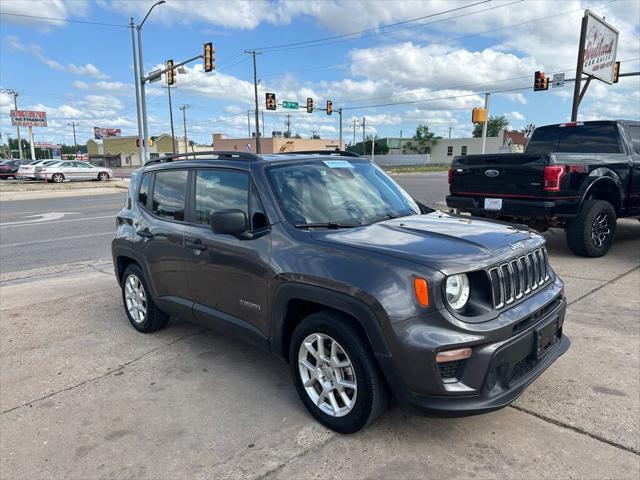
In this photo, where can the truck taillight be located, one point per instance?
(552, 176)
(450, 175)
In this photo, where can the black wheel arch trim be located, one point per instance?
(354, 307)
(598, 176)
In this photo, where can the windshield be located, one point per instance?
(346, 193)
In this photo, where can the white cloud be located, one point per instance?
(88, 70)
(517, 116)
(20, 11)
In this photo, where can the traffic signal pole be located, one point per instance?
(255, 89)
(137, 83)
(340, 138)
(486, 123)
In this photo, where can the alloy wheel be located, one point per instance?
(600, 229)
(327, 375)
(135, 298)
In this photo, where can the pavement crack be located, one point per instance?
(575, 429)
(93, 379)
(600, 287)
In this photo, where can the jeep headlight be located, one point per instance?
(457, 291)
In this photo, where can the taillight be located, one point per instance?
(552, 176)
(450, 175)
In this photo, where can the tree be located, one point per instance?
(421, 141)
(315, 136)
(494, 126)
(380, 148)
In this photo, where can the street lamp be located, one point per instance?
(143, 99)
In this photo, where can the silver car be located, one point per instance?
(28, 169)
(72, 170)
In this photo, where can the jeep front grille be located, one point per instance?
(518, 277)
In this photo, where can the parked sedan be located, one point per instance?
(9, 169)
(28, 169)
(72, 170)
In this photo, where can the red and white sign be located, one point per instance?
(47, 145)
(28, 118)
(600, 47)
(100, 133)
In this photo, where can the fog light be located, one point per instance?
(453, 355)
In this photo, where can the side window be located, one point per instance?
(449, 151)
(220, 190)
(463, 150)
(143, 193)
(169, 194)
(634, 130)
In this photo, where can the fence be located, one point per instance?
(399, 160)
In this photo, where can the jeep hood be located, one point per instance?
(438, 240)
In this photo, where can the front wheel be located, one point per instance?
(335, 373)
(591, 233)
(103, 176)
(57, 178)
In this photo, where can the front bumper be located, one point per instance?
(503, 363)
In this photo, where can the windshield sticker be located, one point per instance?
(337, 164)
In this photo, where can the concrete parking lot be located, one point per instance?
(83, 395)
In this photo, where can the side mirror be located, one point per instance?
(230, 222)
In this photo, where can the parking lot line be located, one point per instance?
(72, 237)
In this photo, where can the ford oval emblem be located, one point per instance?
(492, 173)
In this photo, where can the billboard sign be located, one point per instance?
(599, 48)
(100, 133)
(28, 118)
(47, 145)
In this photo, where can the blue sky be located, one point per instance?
(83, 72)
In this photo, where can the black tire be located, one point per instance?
(103, 176)
(154, 319)
(57, 178)
(587, 233)
(372, 397)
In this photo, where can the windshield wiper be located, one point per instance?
(325, 225)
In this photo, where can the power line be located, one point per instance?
(68, 20)
(344, 35)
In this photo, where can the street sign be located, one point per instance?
(155, 76)
(558, 80)
(291, 105)
(599, 48)
(28, 118)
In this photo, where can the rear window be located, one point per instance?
(634, 130)
(595, 137)
(168, 195)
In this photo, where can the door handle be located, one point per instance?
(196, 244)
(145, 233)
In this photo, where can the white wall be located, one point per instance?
(474, 146)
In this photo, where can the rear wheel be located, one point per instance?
(335, 373)
(591, 233)
(57, 178)
(103, 176)
(141, 310)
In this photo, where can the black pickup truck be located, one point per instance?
(580, 176)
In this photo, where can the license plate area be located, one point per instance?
(493, 204)
(546, 337)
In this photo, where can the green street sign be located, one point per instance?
(292, 105)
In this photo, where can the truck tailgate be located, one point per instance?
(499, 175)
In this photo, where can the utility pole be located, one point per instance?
(255, 89)
(136, 75)
(249, 123)
(364, 122)
(450, 127)
(75, 143)
(400, 140)
(340, 138)
(173, 136)
(313, 133)
(15, 105)
(486, 123)
(288, 125)
(184, 121)
(263, 127)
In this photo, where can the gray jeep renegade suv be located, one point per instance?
(321, 259)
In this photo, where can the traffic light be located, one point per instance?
(329, 107)
(540, 82)
(209, 57)
(171, 73)
(479, 115)
(271, 101)
(309, 105)
(616, 72)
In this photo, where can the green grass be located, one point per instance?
(434, 167)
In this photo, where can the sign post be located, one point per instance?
(596, 55)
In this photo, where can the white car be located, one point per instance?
(28, 170)
(72, 170)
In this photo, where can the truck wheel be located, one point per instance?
(591, 233)
(335, 373)
(140, 307)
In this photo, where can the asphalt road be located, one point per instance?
(85, 230)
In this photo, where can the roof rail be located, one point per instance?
(220, 154)
(340, 153)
